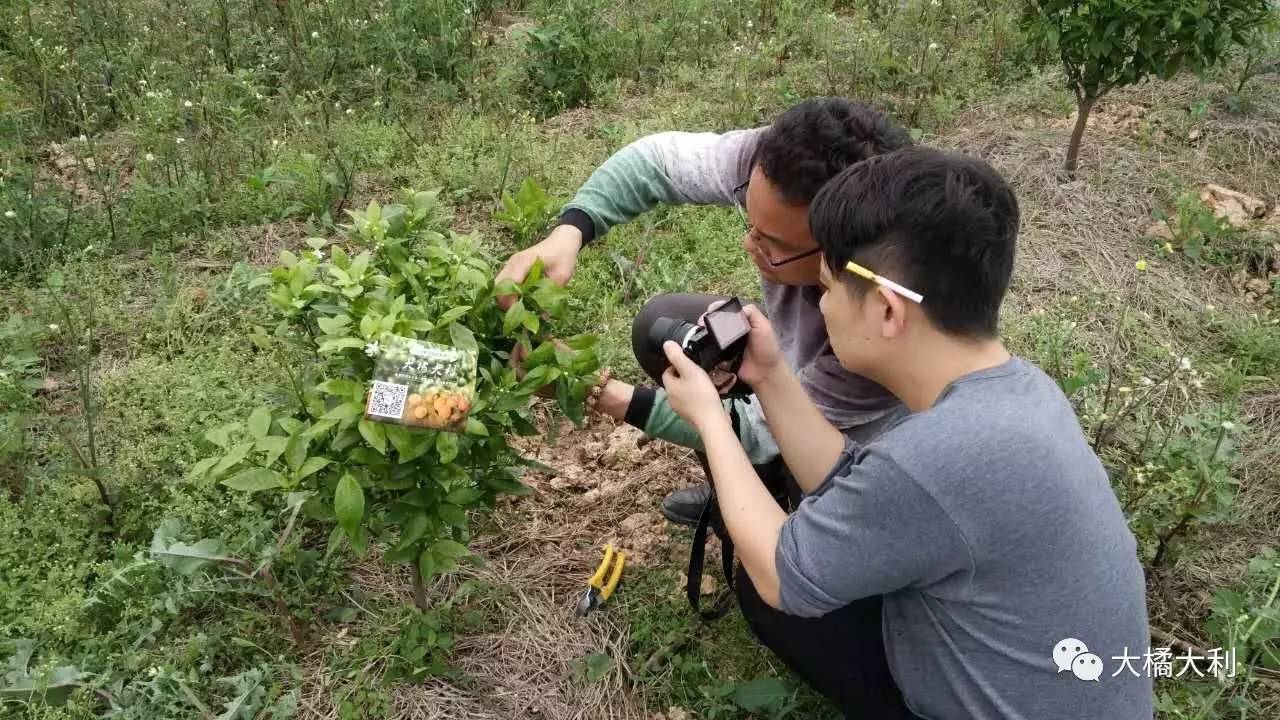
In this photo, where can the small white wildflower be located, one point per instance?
(749, 24)
(317, 254)
(275, 142)
(1228, 425)
(143, 83)
(88, 248)
(933, 46)
(371, 349)
(53, 327)
(377, 103)
(315, 34)
(10, 214)
(1184, 363)
(257, 96)
(150, 157)
(180, 140)
(350, 111)
(1126, 390)
(1147, 381)
(187, 103)
(1210, 307)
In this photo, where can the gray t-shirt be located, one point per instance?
(990, 527)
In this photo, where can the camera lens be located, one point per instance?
(673, 329)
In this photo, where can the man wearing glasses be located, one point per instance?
(770, 174)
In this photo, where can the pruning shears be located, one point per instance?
(598, 589)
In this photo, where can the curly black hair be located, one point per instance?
(813, 141)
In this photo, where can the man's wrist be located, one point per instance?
(574, 219)
(774, 379)
(712, 423)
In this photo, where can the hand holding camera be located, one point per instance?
(730, 341)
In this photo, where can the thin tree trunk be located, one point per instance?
(1084, 105)
(419, 590)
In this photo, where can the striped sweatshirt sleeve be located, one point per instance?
(666, 168)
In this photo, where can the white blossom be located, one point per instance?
(186, 103)
(53, 327)
(10, 214)
(1184, 363)
(371, 349)
(315, 34)
(150, 157)
(179, 140)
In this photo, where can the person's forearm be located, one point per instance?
(809, 443)
(751, 515)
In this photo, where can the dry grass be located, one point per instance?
(540, 552)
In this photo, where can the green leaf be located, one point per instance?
(426, 566)
(514, 317)
(272, 447)
(170, 550)
(345, 411)
(311, 466)
(452, 514)
(475, 427)
(761, 695)
(463, 338)
(341, 387)
(333, 325)
(255, 479)
(452, 314)
(295, 451)
(450, 549)
(409, 444)
(200, 469)
(346, 343)
(464, 496)
(259, 423)
(447, 446)
(375, 434)
(414, 528)
(221, 436)
(348, 504)
(233, 457)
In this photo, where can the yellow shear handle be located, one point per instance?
(597, 580)
(614, 578)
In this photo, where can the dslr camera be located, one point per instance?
(719, 343)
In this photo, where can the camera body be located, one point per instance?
(721, 340)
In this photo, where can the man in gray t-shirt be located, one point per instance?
(1010, 582)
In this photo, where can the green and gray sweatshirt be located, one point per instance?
(705, 169)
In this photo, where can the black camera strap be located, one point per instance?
(711, 518)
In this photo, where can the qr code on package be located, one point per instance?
(387, 399)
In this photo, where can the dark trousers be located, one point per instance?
(841, 654)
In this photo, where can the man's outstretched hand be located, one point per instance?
(559, 253)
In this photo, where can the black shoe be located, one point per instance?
(684, 507)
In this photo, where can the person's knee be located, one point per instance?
(651, 311)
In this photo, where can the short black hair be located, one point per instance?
(941, 223)
(813, 141)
